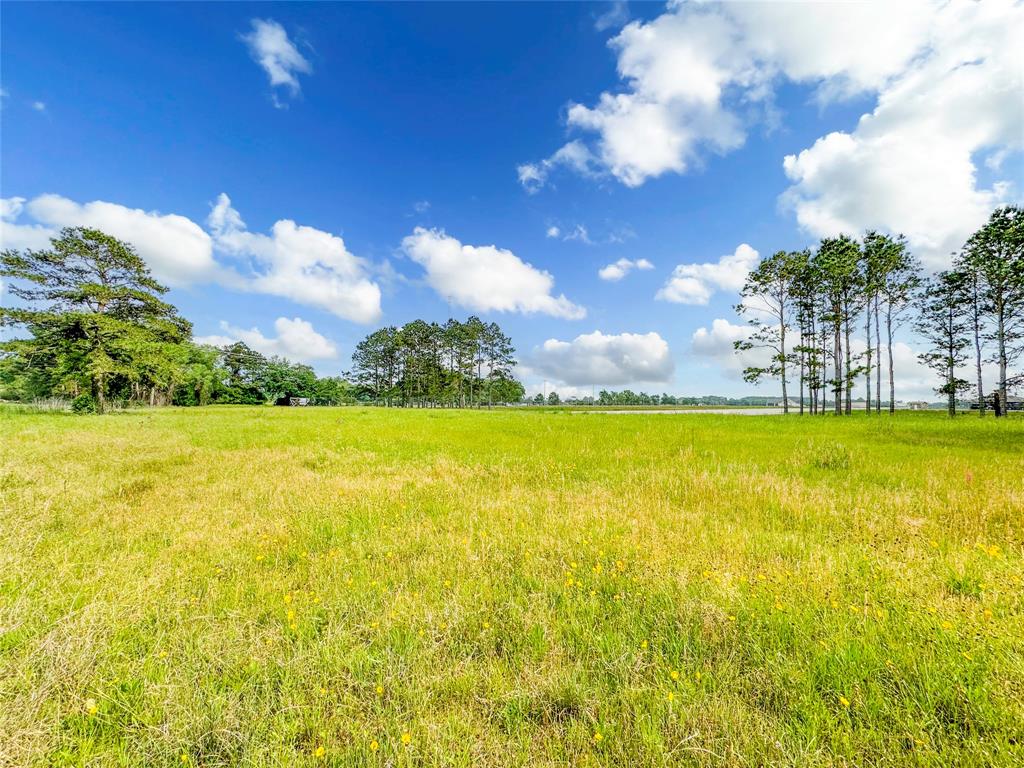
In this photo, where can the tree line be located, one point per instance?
(808, 308)
(96, 330)
(421, 364)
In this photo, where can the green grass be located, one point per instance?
(248, 586)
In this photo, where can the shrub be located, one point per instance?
(83, 404)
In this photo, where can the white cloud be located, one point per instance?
(175, 248)
(615, 16)
(553, 231)
(618, 270)
(575, 155)
(695, 283)
(716, 345)
(300, 263)
(270, 47)
(20, 236)
(579, 233)
(11, 207)
(947, 77)
(307, 265)
(697, 74)
(39, 106)
(485, 278)
(908, 166)
(600, 359)
(296, 340)
(421, 206)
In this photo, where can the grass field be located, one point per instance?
(260, 586)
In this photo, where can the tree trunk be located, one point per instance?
(950, 376)
(878, 366)
(837, 363)
(892, 378)
(1001, 346)
(977, 347)
(802, 378)
(848, 377)
(867, 371)
(98, 395)
(782, 347)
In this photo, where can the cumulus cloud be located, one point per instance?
(20, 236)
(307, 265)
(575, 155)
(695, 283)
(271, 48)
(946, 78)
(177, 250)
(715, 345)
(485, 278)
(619, 269)
(908, 166)
(301, 263)
(605, 359)
(694, 76)
(553, 231)
(296, 340)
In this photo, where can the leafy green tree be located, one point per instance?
(333, 390)
(245, 370)
(768, 293)
(281, 378)
(897, 279)
(995, 253)
(553, 398)
(506, 390)
(838, 260)
(94, 313)
(203, 379)
(944, 327)
(426, 364)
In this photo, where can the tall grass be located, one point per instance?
(257, 586)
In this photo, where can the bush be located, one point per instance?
(83, 404)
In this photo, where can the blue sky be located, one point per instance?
(450, 117)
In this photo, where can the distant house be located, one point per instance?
(918, 405)
(292, 400)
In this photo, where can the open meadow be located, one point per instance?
(353, 586)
